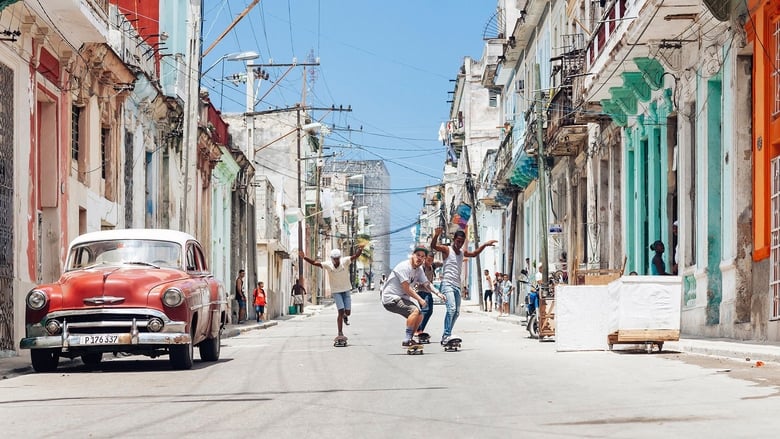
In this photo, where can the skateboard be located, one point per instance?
(414, 349)
(452, 345)
(424, 338)
(340, 341)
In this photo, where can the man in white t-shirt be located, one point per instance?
(397, 293)
(340, 283)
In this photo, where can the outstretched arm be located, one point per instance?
(309, 260)
(435, 243)
(357, 253)
(479, 249)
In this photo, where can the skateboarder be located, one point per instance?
(451, 274)
(397, 292)
(427, 310)
(340, 284)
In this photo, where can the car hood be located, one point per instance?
(106, 286)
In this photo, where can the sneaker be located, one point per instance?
(445, 339)
(409, 342)
(346, 320)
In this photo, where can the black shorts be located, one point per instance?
(488, 294)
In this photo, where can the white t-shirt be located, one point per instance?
(403, 272)
(339, 277)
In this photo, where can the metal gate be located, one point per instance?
(6, 208)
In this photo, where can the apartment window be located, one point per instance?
(325, 181)
(492, 98)
(774, 251)
(776, 70)
(105, 136)
(75, 117)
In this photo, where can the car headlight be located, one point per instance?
(172, 297)
(36, 300)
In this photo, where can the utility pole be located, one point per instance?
(544, 297)
(473, 200)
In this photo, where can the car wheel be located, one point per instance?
(210, 347)
(92, 359)
(45, 360)
(181, 355)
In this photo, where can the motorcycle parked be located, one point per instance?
(531, 306)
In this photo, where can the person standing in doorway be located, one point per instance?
(658, 267)
(298, 293)
(488, 299)
(259, 298)
(240, 296)
(451, 274)
(340, 284)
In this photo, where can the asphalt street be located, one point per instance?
(287, 379)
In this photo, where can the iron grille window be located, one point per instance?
(104, 138)
(776, 68)
(75, 116)
(774, 250)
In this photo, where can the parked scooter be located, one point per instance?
(532, 305)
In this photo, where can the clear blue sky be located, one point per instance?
(390, 61)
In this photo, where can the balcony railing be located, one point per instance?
(604, 31)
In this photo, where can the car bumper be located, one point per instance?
(174, 334)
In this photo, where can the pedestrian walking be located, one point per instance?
(340, 283)
(451, 274)
(240, 296)
(259, 299)
(397, 294)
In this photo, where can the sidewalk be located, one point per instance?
(20, 364)
(727, 348)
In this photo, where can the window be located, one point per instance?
(75, 117)
(493, 98)
(774, 249)
(776, 71)
(105, 134)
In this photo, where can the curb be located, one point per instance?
(726, 349)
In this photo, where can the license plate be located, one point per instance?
(99, 339)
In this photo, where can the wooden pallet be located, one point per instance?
(648, 337)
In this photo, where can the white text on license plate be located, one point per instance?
(99, 339)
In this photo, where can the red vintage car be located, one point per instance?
(133, 291)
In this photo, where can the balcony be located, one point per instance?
(564, 136)
(630, 30)
(81, 21)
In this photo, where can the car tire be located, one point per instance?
(92, 359)
(210, 348)
(45, 360)
(181, 356)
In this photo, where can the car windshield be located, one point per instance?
(146, 252)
